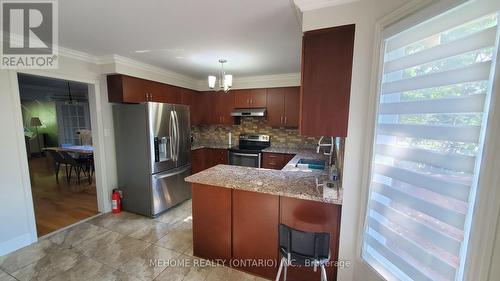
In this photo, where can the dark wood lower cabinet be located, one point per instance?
(275, 161)
(239, 225)
(218, 156)
(255, 232)
(199, 160)
(211, 222)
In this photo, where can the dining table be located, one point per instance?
(79, 149)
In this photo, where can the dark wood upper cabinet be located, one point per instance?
(223, 106)
(126, 89)
(258, 98)
(275, 107)
(219, 107)
(283, 105)
(326, 81)
(250, 98)
(195, 102)
(164, 93)
(292, 107)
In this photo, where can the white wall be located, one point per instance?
(364, 14)
(16, 213)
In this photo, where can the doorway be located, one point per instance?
(58, 140)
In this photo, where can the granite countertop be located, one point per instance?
(290, 181)
(216, 145)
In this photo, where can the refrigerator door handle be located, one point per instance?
(171, 132)
(172, 173)
(176, 132)
(178, 141)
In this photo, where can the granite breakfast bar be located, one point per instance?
(236, 212)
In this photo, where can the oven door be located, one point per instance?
(244, 159)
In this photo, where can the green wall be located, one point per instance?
(46, 111)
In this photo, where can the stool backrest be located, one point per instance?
(308, 244)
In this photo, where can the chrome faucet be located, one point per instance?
(331, 145)
(332, 169)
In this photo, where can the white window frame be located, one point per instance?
(486, 214)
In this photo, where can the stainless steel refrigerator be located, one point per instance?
(153, 153)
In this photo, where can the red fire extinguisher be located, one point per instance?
(116, 204)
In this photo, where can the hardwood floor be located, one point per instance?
(59, 204)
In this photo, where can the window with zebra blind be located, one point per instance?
(433, 105)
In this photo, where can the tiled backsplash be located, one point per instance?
(280, 137)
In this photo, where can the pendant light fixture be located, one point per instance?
(225, 80)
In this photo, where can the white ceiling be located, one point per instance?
(257, 37)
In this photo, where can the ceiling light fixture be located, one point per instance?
(225, 80)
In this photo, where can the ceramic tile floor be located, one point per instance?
(118, 247)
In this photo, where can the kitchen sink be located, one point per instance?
(311, 164)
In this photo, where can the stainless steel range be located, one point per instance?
(249, 150)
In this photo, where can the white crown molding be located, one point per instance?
(262, 81)
(308, 5)
(123, 65)
(74, 54)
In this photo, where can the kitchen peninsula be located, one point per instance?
(237, 210)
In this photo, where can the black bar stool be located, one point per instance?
(303, 248)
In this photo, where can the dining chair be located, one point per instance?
(58, 161)
(75, 164)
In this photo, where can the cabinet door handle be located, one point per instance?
(281, 120)
(285, 120)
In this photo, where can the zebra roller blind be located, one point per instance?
(433, 105)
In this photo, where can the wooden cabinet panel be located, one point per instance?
(312, 216)
(186, 97)
(164, 93)
(211, 222)
(204, 106)
(257, 98)
(283, 107)
(241, 98)
(218, 156)
(223, 108)
(273, 161)
(326, 81)
(291, 107)
(126, 89)
(250, 98)
(199, 160)
(255, 230)
(288, 158)
(275, 107)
